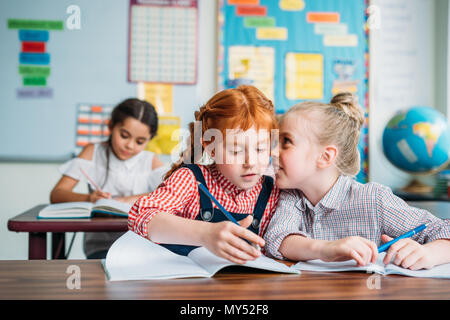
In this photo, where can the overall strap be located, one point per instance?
(261, 203)
(206, 207)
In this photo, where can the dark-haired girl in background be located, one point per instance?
(120, 167)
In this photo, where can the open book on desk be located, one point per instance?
(73, 210)
(441, 271)
(132, 257)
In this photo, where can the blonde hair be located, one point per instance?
(339, 122)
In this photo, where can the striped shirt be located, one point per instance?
(350, 209)
(179, 195)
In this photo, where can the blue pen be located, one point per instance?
(225, 212)
(410, 233)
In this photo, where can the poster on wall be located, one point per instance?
(296, 50)
(34, 59)
(92, 124)
(163, 41)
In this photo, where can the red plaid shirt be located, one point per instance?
(179, 195)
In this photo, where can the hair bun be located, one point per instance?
(348, 103)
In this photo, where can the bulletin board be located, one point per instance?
(296, 50)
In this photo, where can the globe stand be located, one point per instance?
(417, 187)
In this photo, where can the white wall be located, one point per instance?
(448, 61)
(24, 185)
(442, 62)
(402, 74)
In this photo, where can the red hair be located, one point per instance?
(242, 107)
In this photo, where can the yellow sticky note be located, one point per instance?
(256, 64)
(271, 33)
(304, 76)
(158, 94)
(292, 5)
(349, 40)
(167, 136)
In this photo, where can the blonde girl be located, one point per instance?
(324, 213)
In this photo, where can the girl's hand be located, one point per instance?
(226, 239)
(97, 195)
(408, 254)
(360, 249)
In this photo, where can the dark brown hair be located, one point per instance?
(138, 109)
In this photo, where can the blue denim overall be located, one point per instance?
(210, 214)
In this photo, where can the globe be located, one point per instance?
(417, 140)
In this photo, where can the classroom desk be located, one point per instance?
(47, 279)
(38, 228)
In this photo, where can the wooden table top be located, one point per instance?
(28, 222)
(47, 279)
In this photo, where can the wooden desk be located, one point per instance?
(47, 279)
(38, 228)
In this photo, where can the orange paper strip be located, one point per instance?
(251, 11)
(322, 17)
(252, 2)
(96, 109)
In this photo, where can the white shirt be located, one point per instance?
(125, 178)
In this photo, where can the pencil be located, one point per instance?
(90, 180)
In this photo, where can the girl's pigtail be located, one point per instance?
(108, 151)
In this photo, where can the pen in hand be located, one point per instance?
(225, 212)
(408, 234)
(92, 182)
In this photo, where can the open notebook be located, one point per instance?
(132, 257)
(73, 210)
(442, 271)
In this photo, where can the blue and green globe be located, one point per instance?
(417, 140)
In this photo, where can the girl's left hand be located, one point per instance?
(409, 254)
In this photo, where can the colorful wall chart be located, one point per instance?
(163, 41)
(92, 124)
(34, 60)
(296, 50)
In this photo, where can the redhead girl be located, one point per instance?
(234, 133)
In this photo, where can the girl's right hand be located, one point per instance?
(360, 249)
(226, 239)
(97, 195)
